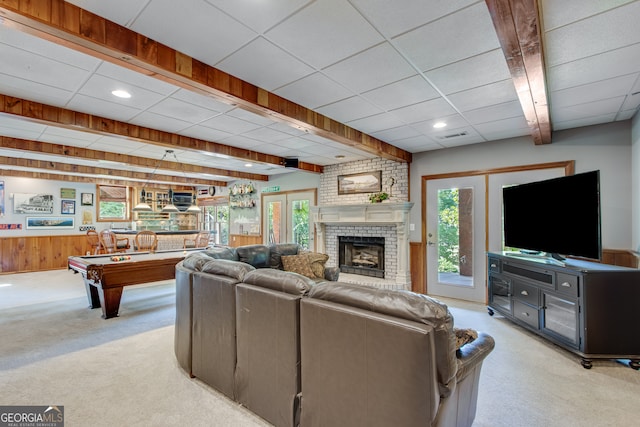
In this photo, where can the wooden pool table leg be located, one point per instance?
(110, 301)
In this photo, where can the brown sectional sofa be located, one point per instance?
(298, 351)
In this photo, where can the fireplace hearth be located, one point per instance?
(361, 255)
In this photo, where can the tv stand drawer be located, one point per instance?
(526, 314)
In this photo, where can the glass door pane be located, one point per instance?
(274, 220)
(300, 222)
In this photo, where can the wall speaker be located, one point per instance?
(290, 163)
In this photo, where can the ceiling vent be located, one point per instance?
(454, 135)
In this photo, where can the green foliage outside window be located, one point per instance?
(448, 231)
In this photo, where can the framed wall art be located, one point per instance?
(24, 203)
(49, 222)
(86, 199)
(363, 182)
(68, 207)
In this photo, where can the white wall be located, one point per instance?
(635, 183)
(604, 147)
(40, 186)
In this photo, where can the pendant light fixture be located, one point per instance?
(143, 206)
(170, 207)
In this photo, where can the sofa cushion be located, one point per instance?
(258, 256)
(279, 280)
(222, 252)
(195, 261)
(277, 250)
(225, 267)
(406, 305)
(317, 263)
(298, 264)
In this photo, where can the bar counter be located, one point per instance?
(167, 240)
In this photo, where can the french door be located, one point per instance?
(286, 218)
(456, 237)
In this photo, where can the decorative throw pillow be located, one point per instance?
(297, 264)
(317, 262)
(464, 336)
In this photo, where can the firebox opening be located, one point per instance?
(361, 255)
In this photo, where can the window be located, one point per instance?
(113, 203)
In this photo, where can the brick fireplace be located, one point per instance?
(386, 222)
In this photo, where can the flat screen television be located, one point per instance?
(558, 217)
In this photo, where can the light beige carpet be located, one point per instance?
(122, 371)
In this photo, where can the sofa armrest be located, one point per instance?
(332, 273)
(473, 353)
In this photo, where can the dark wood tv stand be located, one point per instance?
(588, 308)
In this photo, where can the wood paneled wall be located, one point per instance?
(37, 253)
(417, 260)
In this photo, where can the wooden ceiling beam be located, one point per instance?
(93, 173)
(69, 151)
(60, 117)
(81, 30)
(517, 23)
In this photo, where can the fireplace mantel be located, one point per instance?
(369, 215)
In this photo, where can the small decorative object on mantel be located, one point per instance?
(378, 197)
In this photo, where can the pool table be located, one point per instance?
(105, 277)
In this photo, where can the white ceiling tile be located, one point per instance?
(427, 110)
(125, 75)
(483, 96)
(417, 144)
(229, 124)
(619, 62)
(33, 91)
(409, 91)
(506, 133)
(159, 122)
(266, 134)
(100, 87)
(259, 15)
(600, 33)
(31, 45)
(36, 68)
(205, 133)
(177, 109)
(208, 102)
(375, 67)
(590, 109)
(457, 36)
(396, 134)
(102, 108)
(560, 13)
(376, 123)
(513, 123)
(505, 110)
(332, 30)
(250, 63)
(196, 28)
(626, 114)
(583, 121)
(249, 116)
(349, 109)
(314, 91)
(480, 70)
(592, 92)
(392, 19)
(452, 122)
(121, 12)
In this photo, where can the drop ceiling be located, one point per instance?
(387, 69)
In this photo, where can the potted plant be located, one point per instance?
(378, 197)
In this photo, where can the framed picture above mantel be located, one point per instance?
(362, 182)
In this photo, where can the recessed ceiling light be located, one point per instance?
(248, 165)
(121, 93)
(439, 125)
(339, 156)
